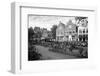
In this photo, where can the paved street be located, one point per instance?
(52, 55)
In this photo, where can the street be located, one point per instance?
(46, 54)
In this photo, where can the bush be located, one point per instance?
(33, 54)
(84, 53)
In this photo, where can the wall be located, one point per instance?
(5, 35)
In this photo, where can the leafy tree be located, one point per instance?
(30, 34)
(80, 18)
(53, 31)
(36, 29)
(38, 32)
(49, 34)
(33, 54)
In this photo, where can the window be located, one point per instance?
(73, 37)
(61, 32)
(70, 32)
(73, 31)
(66, 36)
(84, 31)
(80, 31)
(87, 31)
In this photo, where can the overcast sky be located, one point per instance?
(48, 21)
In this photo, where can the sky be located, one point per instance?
(48, 21)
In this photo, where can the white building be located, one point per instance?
(66, 32)
(83, 30)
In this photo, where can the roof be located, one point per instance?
(70, 23)
(61, 26)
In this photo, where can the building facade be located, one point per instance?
(66, 32)
(83, 30)
(44, 33)
(60, 32)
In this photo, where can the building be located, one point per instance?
(66, 32)
(60, 32)
(83, 30)
(70, 31)
(44, 33)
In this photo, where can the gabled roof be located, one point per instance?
(70, 23)
(61, 26)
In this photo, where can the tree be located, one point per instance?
(44, 33)
(38, 32)
(81, 20)
(53, 31)
(49, 34)
(30, 34)
(36, 29)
